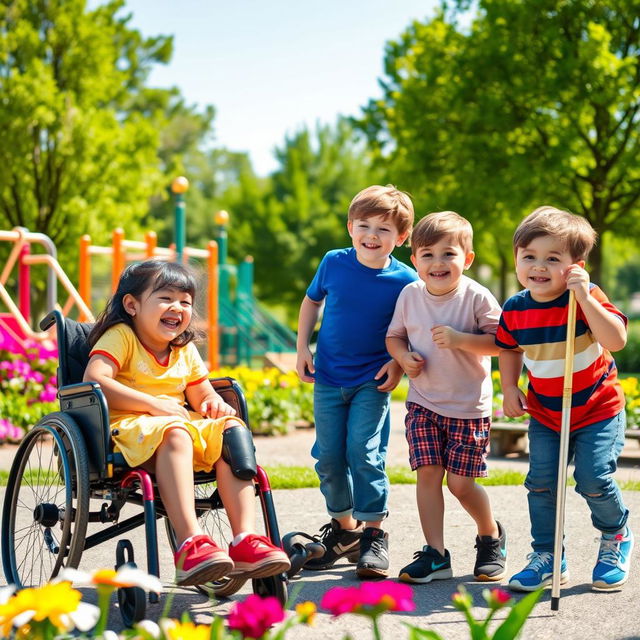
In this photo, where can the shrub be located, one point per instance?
(276, 401)
(27, 386)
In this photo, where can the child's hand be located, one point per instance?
(514, 402)
(304, 365)
(394, 373)
(168, 407)
(216, 407)
(578, 281)
(445, 337)
(412, 363)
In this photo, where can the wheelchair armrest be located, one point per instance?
(86, 404)
(231, 392)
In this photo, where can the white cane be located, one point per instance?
(563, 454)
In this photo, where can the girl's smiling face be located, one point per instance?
(541, 267)
(159, 317)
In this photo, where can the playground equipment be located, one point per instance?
(15, 323)
(122, 251)
(238, 328)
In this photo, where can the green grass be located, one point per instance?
(282, 477)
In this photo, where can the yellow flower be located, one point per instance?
(58, 603)
(307, 612)
(175, 630)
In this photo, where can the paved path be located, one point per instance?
(583, 613)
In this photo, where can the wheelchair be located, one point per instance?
(66, 462)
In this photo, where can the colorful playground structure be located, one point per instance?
(239, 329)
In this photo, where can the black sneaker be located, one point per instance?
(491, 557)
(338, 542)
(374, 554)
(427, 565)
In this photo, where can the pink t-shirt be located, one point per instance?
(453, 383)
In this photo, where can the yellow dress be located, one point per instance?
(138, 435)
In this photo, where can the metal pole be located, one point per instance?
(179, 187)
(563, 455)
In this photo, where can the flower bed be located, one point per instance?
(27, 388)
(55, 609)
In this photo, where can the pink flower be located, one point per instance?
(255, 615)
(496, 598)
(371, 599)
(341, 600)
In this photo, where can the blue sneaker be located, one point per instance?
(612, 569)
(538, 573)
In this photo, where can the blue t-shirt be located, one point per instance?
(359, 304)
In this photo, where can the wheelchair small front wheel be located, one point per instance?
(272, 586)
(133, 605)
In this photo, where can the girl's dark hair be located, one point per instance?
(135, 280)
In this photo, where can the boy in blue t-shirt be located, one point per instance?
(354, 374)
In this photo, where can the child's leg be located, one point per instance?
(430, 501)
(174, 457)
(597, 447)
(368, 428)
(330, 413)
(475, 501)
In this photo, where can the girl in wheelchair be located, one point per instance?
(143, 356)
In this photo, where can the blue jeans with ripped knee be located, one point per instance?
(595, 450)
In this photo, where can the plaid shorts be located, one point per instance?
(460, 445)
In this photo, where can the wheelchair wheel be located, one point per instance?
(271, 586)
(46, 505)
(215, 524)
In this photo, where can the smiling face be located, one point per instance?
(441, 265)
(541, 267)
(374, 239)
(159, 317)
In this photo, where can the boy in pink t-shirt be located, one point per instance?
(442, 334)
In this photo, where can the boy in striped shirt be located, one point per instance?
(550, 248)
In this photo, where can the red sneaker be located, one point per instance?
(257, 557)
(200, 561)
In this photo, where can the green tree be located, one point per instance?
(77, 144)
(289, 221)
(536, 102)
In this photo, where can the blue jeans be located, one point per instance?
(352, 435)
(595, 450)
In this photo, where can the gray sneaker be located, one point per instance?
(374, 554)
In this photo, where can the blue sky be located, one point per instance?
(269, 66)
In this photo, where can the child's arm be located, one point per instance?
(204, 399)
(605, 326)
(307, 320)
(482, 344)
(514, 402)
(119, 396)
(411, 362)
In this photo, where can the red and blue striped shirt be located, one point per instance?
(539, 329)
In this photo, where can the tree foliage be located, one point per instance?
(79, 132)
(536, 102)
(290, 220)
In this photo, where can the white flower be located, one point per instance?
(125, 576)
(150, 627)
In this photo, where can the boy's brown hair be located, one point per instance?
(574, 232)
(387, 202)
(435, 226)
